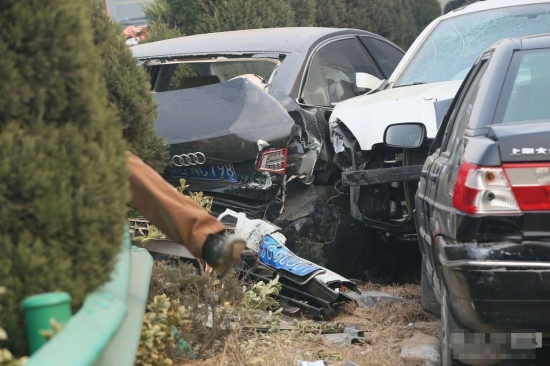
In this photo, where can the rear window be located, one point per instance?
(184, 74)
(526, 93)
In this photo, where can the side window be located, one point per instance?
(315, 89)
(461, 119)
(340, 60)
(386, 55)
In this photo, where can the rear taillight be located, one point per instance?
(483, 190)
(530, 184)
(273, 161)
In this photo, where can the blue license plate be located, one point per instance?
(225, 172)
(279, 256)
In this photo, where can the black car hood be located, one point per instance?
(224, 121)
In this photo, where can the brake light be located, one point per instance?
(273, 161)
(530, 184)
(483, 190)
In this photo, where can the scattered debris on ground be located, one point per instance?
(386, 329)
(262, 320)
(422, 347)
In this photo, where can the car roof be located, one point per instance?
(488, 5)
(268, 40)
(535, 42)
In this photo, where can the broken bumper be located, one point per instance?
(379, 176)
(498, 285)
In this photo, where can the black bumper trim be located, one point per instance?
(492, 264)
(379, 176)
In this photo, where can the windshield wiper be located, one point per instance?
(415, 83)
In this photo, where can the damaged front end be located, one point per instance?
(233, 141)
(381, 181)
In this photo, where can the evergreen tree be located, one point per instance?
(195, 17)
(305, 12)
(159, 30)
(180, 14)
(63, 177)
(128, 90)
(374, 16)
(392, 19)
(332, 13)
(403, 24)
(424, 11)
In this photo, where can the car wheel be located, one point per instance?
(429, 300)
(448, 325)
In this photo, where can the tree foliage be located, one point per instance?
(159, 30)
(205, 16)
(424, 12)
(398, 20)
(63, 177)
(128, 90)
(305, 12)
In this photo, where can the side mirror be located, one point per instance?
(405, 135)
(365, 82)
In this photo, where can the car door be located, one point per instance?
(442, 171)
(437, 172)
(330, 79)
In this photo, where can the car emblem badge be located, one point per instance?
(190, 159)
(529, 151)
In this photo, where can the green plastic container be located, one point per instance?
(39, 309)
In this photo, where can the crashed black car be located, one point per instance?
(245, 112)
(483, 207)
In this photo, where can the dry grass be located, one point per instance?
(386, 325)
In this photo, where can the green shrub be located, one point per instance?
(6, 358)
(63, 178)
(157, 345)
(204, 310)
(208, 304)
(128, 90)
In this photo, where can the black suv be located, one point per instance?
(483, 206)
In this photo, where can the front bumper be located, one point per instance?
(498, 286)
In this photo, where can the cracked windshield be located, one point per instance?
(456, 43)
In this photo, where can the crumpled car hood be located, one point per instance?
(224, 121)
(368, 116)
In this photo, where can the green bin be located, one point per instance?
(39, 309)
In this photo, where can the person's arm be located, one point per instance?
(173, 213)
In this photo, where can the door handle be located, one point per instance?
(424, 174)
(433, 177)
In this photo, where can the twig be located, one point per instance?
(223, 354)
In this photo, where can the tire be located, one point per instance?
(429, 299)
(448, 325)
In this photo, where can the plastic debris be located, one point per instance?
(351, 335)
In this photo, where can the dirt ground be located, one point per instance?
(386, 326)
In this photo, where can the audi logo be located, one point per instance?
(197, 158)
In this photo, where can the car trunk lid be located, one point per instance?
(228, 122)
(522, 142)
